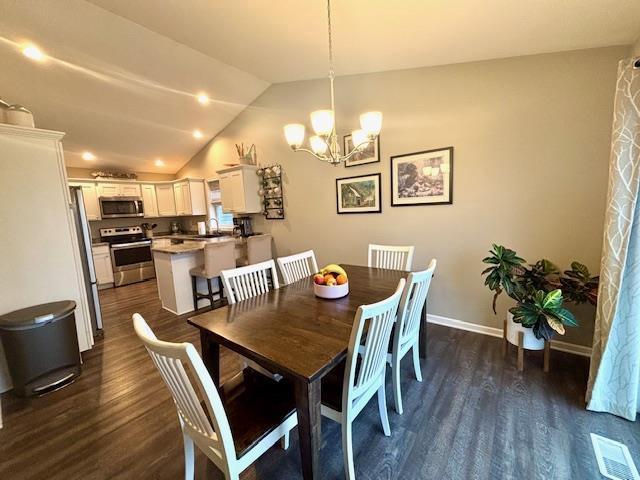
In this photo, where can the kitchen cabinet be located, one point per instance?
(129, 190)
(118, 189)
(190, 197)
(102, 264)
(165, 200)
(108, 190)
(90, 196)
(239, 188)
(149, 200)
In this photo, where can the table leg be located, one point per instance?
(211, 356)
(309, 426)
(423, 332)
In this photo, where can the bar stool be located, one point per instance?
(259, 249)
(217, 256)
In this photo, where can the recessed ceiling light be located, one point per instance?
(88, 156)
(159, 162)
(203, 98)
(33, 52)
(197, 134)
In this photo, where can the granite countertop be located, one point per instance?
(191, 245)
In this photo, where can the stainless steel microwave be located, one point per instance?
(121, 207)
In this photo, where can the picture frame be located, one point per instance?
(422, 178)
(370, 155)
(359, 194)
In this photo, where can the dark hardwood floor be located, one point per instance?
(474, 416)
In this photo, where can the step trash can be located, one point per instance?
(41, 347)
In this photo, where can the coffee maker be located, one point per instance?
(243, 226)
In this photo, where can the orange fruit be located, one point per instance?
(342, 279)
(328, 277)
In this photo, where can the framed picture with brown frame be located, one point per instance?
(370, 154)
(361, 194)
(422, 178)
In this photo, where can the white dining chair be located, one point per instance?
(298, 266)
(243, 283)
(390, 257)
(407, 330)
(345, 394)
(221, 431)
(246, 282)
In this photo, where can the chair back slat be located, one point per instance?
(246, 282)
(379, 318)
(298, 266)
(390, 257)
(413, 300)
(173, 360)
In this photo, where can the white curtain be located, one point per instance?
(614, 377)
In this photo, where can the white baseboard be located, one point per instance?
(497, 332)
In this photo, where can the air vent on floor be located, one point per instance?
(614, 459)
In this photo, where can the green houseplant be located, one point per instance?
(539, 289)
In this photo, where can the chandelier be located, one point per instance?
(324, 144)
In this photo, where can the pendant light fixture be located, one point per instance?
(324, 144)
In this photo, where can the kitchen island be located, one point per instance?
(173, 262)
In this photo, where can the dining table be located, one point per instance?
(302, 337)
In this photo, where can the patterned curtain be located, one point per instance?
(614, 376)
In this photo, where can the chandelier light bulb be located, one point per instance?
(371, 123)
(322, 122)
(318, 145)
(294, 133)
(359, 139)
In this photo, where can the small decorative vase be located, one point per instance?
(19, 115)
(530, 342)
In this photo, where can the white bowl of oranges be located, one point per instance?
(331, 282)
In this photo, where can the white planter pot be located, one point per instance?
(530, 342)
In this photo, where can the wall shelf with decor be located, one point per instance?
(271, 192)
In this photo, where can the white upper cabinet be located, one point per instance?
(149, 201)
(239, 188)
(90, 195)
(190, 197)
(162, 199)
(130, 190)
(166, 200)
(108, 190)
(118, 189)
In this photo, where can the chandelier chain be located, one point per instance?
(331, 72)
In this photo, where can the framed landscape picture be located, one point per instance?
(422, 178)
(359, 194)
(371, 154)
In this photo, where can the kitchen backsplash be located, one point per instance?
(188, 224)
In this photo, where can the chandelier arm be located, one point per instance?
(323, 158)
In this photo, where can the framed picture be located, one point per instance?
(371, 154)
(422, 178)
(359, 194)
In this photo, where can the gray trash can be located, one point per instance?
(41, 347)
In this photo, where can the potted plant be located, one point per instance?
(540, 291)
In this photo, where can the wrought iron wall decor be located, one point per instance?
(271, 192)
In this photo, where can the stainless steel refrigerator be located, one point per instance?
(86, 254)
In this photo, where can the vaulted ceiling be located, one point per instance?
(121, 77)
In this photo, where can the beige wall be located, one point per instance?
(76, 172)
(635, 48)
(531, 138)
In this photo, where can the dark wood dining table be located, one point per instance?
(292, 332)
